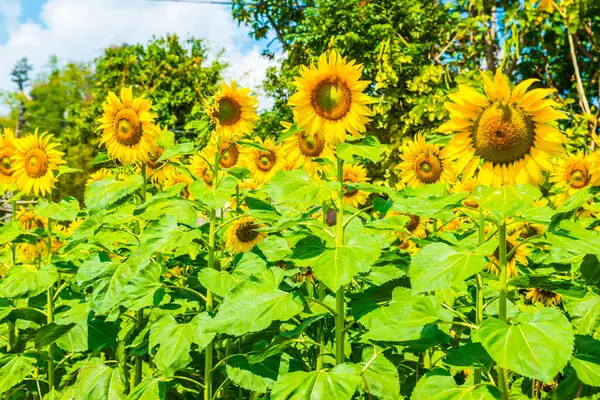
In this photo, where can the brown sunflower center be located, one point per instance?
(350, 178)
(503, 134)
(128, 129)
(246, 232)
(265, 160)
(509, 247)
(428, 168)
(579, 177)
(413, 223)
(311, 145)
(36, 163)
(208, 177)
(229, 111)
(5, 164)
(229, 156)
(331, 99)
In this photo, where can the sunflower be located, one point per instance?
(354, 174)
(408, 245)
(575, 172)
(546, 297)
(416, 227)
(506, 132)
(229, 153)
(7, 149)
(158, 171)
(263, 164)
(102, 173)
(301, 148)
(330, 99)
(519, 255)
(233, 110)
(34, 162)
(201, 169)
(180, 178)
(545, 6)
(424, 163)
(30, 220)
(305, 274)
(242, 235)
(128, 127)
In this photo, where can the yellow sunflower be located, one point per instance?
(301, 148)
(233, 110)
(424, 163)
(242, 235)
(408, 245)
(330, 99)
(519, 255)
(229, 153)
(263, 164)
(545, 6)
(505, 131)
(546, 297)
(7, 149)
(575, 172)
(306, 274)
(158, 171)
(354, 174)
(34, 162)
(29, 219)
(201, 169)
(128, 127)
(180, 178)
(102, 173)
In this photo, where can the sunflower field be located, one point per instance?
(276, 267)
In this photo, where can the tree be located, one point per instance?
(20, 76)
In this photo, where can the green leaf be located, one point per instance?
(439, 385)
(101, 194)
(274, 248)
(368, 147)
(223, 282)
(380, 375)
(15, 371)
(66, 210)
(585, 314)
(297, 189)
(543, 342)
(180, 149)
(439, 266)
(255, 304)
(470, 355)
(337, 267)
(27, 281)
(63, 170)
(50, 333)
(10, 231)
(149, 389)
(426, 206)
(217, 198)
(338, 383)
(256, 377)
(402, 319)
(140, 290)
(101, 158)
(586, 360)
(590, 269)
(175, 341)
(573, 237)
(98, 381)
(506, 201)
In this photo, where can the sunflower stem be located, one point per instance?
(12, 331)
(50, 305)
(339, 295)
(479, 295)
(502, 372)
(137, 377)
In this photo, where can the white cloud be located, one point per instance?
(78, 30)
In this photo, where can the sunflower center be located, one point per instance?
(5, 164)
(331, 99)
(229, 111)
(128, 129)
(413, 223)
(428, 168)
(229, 156)
(36, 163)
(350, 178)
(311, 146)
(154, 156)
(579, 177)
(246, 232)
(509, 247)
(208, 176)
(265, 161)
(503, 134)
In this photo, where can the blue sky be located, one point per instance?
(78, 30)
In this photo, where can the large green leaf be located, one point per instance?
(175, 340)
(368, 147)
(506, 201)
(10, 231)
(50, 333)
(76, 338)
(101, 194)
(223, 282)
(403, 318)
(439, 266)
(338, 383)
(27, 281)
(379, 374)
(585, 314)
(149, 389)
(96, 381)
(439, 385)
(536, 345)
(15, 371)
(216, 198)
(140, 290)
(296, 188)
(426, 206)
(468, 356)
(274, 248)
(255, 304)
(573, 237)
(586, 360)
(337, 267)
(66, 210)
(257, 376)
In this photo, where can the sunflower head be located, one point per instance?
(330, 99)
(306, 274)
(243, 234)
(516, 252)
(233, 111)
(264, 162)
(180, 178)
(7, 149)
(546, 297)
(574, 172)
(354, 173)
(229, 152)
(102, 173)
(424, 163)
(128, 129)
(30, 220)
(201, 169)
(302, 148)
(503, 137)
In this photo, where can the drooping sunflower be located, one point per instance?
(158, 171)
(424, 163)
(243, 235)
(301, 149)
(128, 127)
(34, 162)
(233, 110)
(417, 226)
(354, 173)
(30, 220)
(263, 164)
(180, 178)
(519, 255)
(201, 169)
(330, 99)
(503, 137)
(575, 172)
(229, 152)
(102, 173)
(7, 149)
(305, 274)
(546, 297)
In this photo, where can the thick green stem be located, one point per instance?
(12, 330)
(50, 310)
(479, 295)
(339, 295)
(139, 361)
(502, 372)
